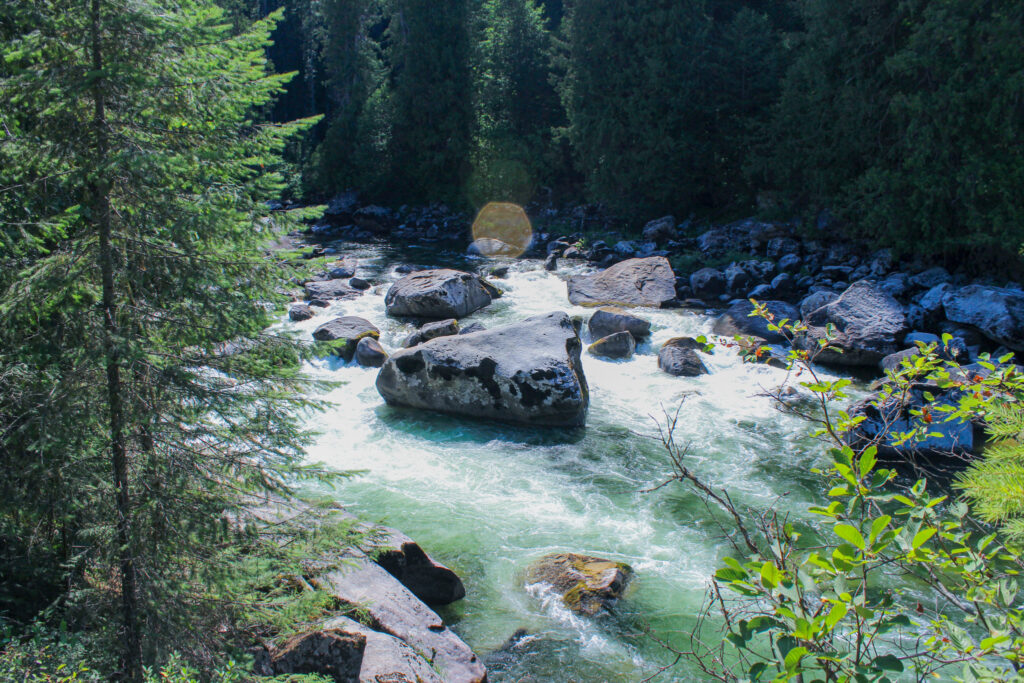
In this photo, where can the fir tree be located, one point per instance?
(139, 397)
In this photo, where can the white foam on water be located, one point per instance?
(489, 499)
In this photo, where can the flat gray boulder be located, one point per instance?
(438, 294)
(636, 282)
(737, 321)
(527, 372)
(869, 324)
(384, 657)
(394, 610)
(997, 312)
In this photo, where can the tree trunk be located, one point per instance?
(101, 217)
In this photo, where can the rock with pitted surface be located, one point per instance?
(441, 328)
(737, 321)
(588, 585)
(996, 311)
(869, 326)
(343, 334)
(607, 321)
(330, 289)
(636, 282)
(616, 345)
(527, 372)
(439, 294)
(678, 357)
(300, 312)
(369, 353)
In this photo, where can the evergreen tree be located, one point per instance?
(638, 113)
(354, 147)
(516, 103)
(431, 107)
(132, 177)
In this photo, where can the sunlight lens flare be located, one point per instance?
(502, 229)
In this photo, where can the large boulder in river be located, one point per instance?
(737, 321)
(588, 585)
(636, 282)
(343, 334)
(527, 372)
(997, 312)
(678, 357)
(869, 325)
(438, 294)
(606, 321)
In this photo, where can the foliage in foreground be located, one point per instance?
(892, 582)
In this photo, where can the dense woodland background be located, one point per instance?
(903, 117)
(142, 402)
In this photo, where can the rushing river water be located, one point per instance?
(489, 499)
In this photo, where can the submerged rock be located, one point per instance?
(636, 282)
(588, 585)
(439, 294)
(345, 333)
(527, 372)
(606, 321)
(678, 357)
(617, 345)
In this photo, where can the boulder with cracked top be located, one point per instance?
(635, 282)
(527, 372)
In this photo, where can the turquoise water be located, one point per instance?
(488, 499)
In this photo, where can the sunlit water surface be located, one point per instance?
(488, 499)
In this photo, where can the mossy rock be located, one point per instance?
(588, 585)
(342, 335)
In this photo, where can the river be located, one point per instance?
(488, 499)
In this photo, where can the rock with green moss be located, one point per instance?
(588, 585)
(343, 334)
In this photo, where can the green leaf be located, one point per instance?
(850, 534)
(887, 663)
(794, 657)
(921, 537)
(835, 615)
